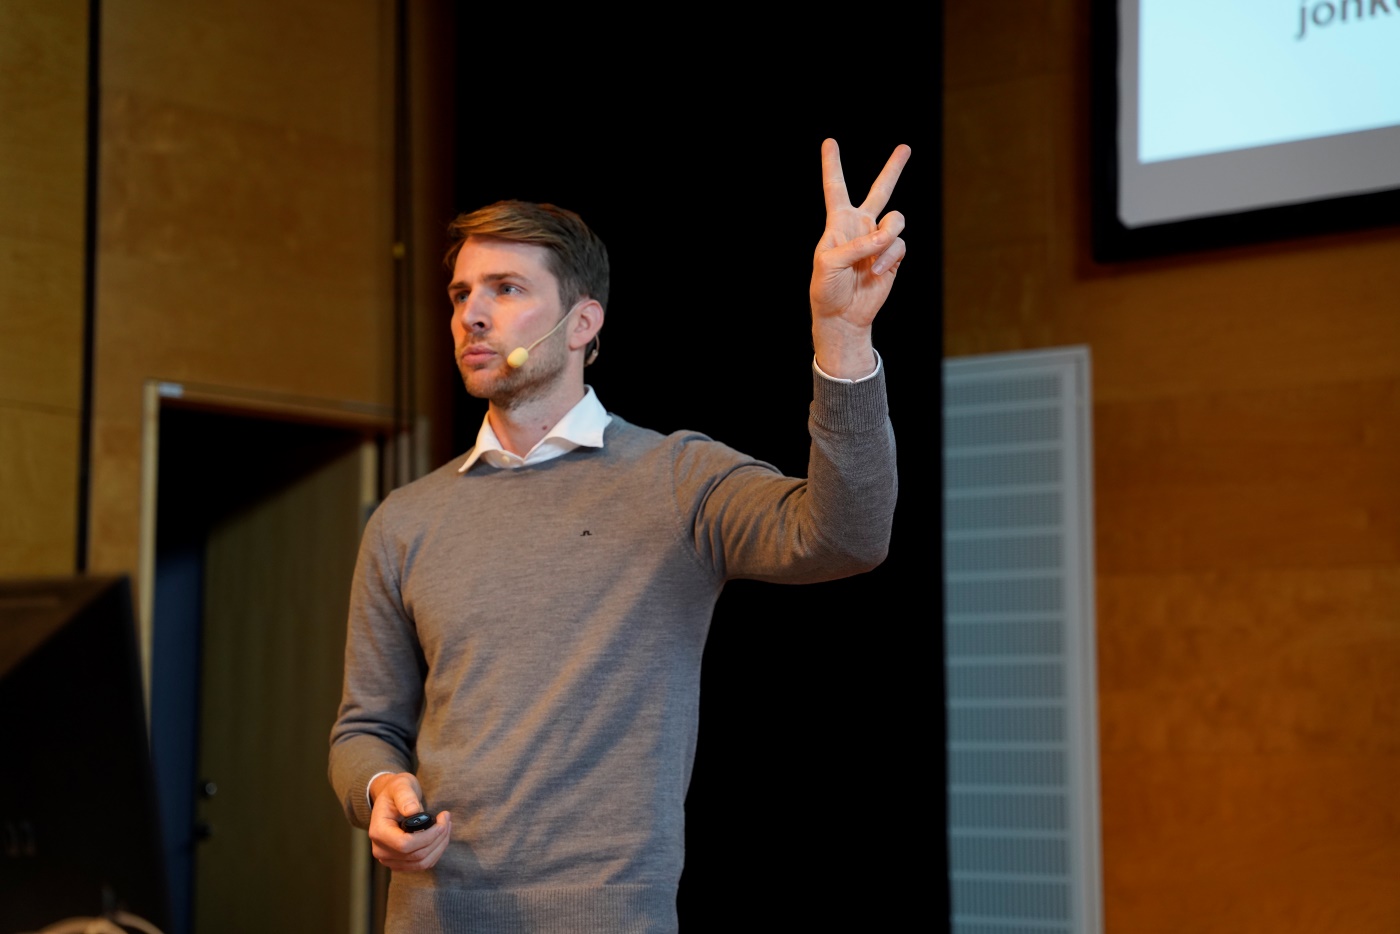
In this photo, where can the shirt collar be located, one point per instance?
(581, 426)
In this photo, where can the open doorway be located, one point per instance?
(257, 523)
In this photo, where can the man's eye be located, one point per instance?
(509, 289)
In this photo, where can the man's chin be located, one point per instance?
(498, 389)
(507, 387)
(480, 384)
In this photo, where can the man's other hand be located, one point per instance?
(395, 797)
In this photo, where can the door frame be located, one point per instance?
(374, 423)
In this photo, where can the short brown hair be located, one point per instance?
(577, 258)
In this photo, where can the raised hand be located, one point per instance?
(854, 265)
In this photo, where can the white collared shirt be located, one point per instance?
(841, 379)
(581, 427)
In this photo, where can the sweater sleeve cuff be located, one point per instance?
(850, 405)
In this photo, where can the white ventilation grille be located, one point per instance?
(1023, 803)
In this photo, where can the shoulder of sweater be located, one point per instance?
(414, 497)
(627, 439)
(629, 442)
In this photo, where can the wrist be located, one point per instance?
(843, 350)
(377, 784)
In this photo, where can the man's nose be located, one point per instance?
(474, 313)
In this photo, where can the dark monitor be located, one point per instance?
(79, 834)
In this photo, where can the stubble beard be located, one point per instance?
(507, 387)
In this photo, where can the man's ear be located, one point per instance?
(588, 321)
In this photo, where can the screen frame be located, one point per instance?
(1112, 241)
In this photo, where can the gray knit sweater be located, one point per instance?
(528, 642)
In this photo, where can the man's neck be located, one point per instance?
(520, 427)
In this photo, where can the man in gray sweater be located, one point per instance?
(527, 623)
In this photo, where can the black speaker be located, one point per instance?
(79, 833)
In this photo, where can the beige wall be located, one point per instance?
(1247, 459)
(245, 217)
(43, 97)
(244, 235)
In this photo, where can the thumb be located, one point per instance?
(408, 798)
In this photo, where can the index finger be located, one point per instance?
(833, 179)
(884, 184)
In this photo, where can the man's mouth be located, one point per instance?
(475, 353)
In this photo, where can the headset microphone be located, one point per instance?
(517, 357)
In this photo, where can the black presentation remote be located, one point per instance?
(420, 821)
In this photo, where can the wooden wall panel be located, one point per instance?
(43, 138)
(41, 314)
(999, 134)
(1282, 661)
(311, 68)
(985, 44)
(38, 486)
(1269, 843)
(232, 254)
(43, 144)
(1247, 445)
(245, 217)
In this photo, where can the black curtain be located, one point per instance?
(818, 791)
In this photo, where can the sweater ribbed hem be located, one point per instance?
(609, 909)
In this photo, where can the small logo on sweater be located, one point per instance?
(585, 532)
